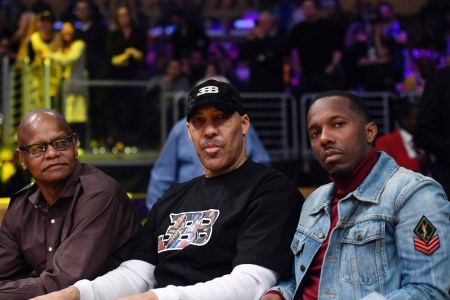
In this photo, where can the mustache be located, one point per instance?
(211, 141)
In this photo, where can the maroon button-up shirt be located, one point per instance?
(84, 234)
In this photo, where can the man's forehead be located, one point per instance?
(42, 123)
(334, 103)
(331, 109)
(206, 109)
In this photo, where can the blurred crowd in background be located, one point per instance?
(377, 49)
(259, 46)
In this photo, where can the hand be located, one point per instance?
(129, 51)
(255, 33)
(329, 70)
(133, 52)
(70, 293)
(272, 297)
(46, 54)
(144, 296)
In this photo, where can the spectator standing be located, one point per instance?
(72, 222)
(367, 63)
(41, 41)
(433, 125)
(377, 231)
(126, 46)
(161, 88)
(318, 49)
(24, 20)
(92, 31)
(72, 59)
(394, 37)
(126, 49)
(188, 36)
(264, 50)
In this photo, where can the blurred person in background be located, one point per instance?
(161, 88)
(264, 50)
(317, 49)
(91, 29)
(40, 42)
(394, 37)
(367, 63)
(126, 50)
(72, 59)
(399, 144)
(188, 36)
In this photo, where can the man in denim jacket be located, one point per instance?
(378, 231)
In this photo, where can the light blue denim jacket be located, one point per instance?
(371, 252)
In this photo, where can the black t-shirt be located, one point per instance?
(202, 229)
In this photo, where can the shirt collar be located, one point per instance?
(68, 189)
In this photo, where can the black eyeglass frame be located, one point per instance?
(44, 145)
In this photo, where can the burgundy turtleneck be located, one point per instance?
(345, 185)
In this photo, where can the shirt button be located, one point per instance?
(320, 235)
(50, 249)
(360, 236)
(52, 221)
(302, 268)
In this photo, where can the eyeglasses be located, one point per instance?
(38, 149)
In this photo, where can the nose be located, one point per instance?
(50, 151)
(326, 136)
(210, 129)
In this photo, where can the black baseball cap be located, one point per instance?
(218, 94)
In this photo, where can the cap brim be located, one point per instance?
(222, 106)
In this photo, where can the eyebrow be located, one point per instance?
(333, 118)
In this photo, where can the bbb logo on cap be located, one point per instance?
(208, 90)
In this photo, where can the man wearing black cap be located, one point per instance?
(223, 235)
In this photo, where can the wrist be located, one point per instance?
(72, 293)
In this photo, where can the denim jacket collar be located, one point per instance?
(368, 191)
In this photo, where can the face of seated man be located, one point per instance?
(51, 168)
(219, 139)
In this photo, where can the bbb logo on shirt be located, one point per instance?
(188, 228)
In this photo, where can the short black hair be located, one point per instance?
(357, 103)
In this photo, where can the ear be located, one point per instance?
(75, 144)
(188, 126)
(371, 132)
(21, 158)
(245, 122)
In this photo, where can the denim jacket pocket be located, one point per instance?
(364, 258)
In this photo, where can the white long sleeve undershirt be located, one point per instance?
(246, 281)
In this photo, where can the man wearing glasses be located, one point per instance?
(73, 222)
